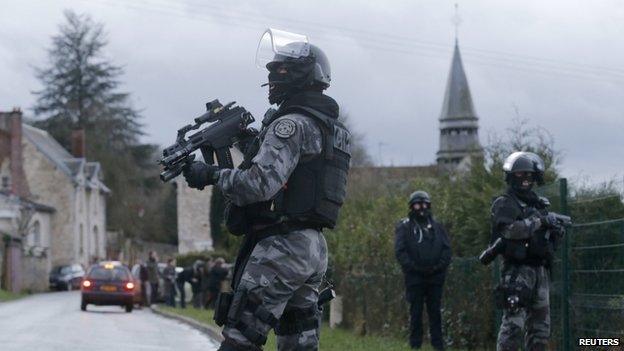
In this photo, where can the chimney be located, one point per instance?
(11, 130)
(78, 144)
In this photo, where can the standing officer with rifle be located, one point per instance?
(526, 235)
(290, 186)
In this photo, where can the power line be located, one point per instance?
(402, 40)
(423, 49)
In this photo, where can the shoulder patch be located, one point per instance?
(285, 128)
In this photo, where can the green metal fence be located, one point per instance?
(596, 280)
(587, 288)
(587, 283)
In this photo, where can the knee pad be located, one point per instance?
(295, 321)
(242, 302)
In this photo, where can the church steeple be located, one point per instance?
(459, 124)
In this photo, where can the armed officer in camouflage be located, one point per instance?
(525, 234)
(289, 187)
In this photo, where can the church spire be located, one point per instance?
(459, 125)
(457, 98)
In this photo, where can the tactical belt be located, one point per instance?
(265, 231)
(533, 262)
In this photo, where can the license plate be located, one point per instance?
(108, 288)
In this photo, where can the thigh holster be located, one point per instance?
(241, 303)
(295, 321)
(512, 294)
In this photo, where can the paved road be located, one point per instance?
(53, 321)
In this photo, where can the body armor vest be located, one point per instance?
(537, 250)
(317, 187)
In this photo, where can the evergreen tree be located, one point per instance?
(80, 87)
(81, 91)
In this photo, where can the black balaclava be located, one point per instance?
(299, 74)
(422, 215)
(524, 193)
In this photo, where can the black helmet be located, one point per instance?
(306, 65)
(419, 196)
(522, 161)
(315, 66)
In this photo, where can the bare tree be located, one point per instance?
(359, 154)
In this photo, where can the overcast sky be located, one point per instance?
(559, 63)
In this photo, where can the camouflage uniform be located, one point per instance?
(526, 260)
(283, 272)
(285, 141)
(534, 319)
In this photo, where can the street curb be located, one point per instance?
(209, 330)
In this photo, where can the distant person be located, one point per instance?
(423, 250)
(153, 276)
(216, 276)
(181, 279)
(169, 277)
(205, 275)
(196, 283)
(143, 277)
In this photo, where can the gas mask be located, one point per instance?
(421, 209)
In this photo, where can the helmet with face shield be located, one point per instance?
(294, 64)
(522, 163)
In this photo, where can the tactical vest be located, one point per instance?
(317, 187)
(536, 250)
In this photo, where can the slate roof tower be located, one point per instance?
(459, 124)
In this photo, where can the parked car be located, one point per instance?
(66, 277)
(108, 283)
(138, 293)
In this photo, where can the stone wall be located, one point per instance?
(193, 218)
(194, 214)
(50, 186)
(35, 272)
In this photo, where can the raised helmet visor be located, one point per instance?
(537, 163)
(280, 42)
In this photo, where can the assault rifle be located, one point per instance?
(229, 125)
(489, 254)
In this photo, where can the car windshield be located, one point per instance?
(102, 273)
(61, 270)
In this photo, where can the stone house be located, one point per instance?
(74, 187)
(24, 224)
(53, 203)
(24, 253)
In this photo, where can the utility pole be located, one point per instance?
(379, 146)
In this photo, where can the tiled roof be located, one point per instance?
(51, 149)
(65, 161)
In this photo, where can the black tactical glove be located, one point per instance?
(199, 174)
(548, 220)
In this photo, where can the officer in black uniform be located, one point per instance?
(289, 187)
(525, 233)
(423, 250)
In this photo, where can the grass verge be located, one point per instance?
(8, 296)
(331, 339)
